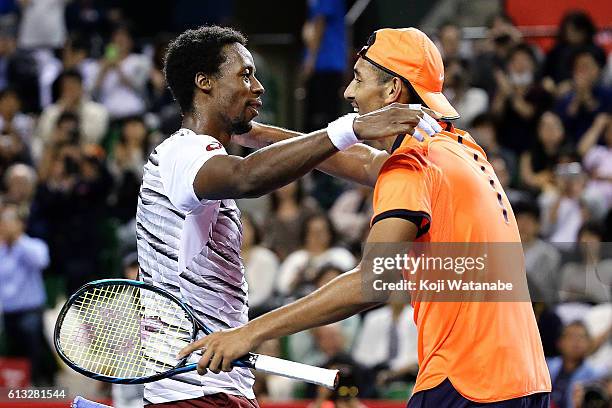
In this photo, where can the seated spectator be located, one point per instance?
(23, 260)
(576, 31)
(468, 100)
(542, 260)
(587, 97)
(19, 186)
(92, 116)
(386, 344)
(290, 208)
(484, 131)
(260, 268)
(298, 271)
(520, 99)
(351, 214)
(538, 163)
(12, 120)
(597, 158)
(12, 150)
(588, 280)
(121, 77)
(19, 71)
(570, 368)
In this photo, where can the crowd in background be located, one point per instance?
(83, 102)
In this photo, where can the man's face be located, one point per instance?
(237, 91)
(574, 342)
(365, 92)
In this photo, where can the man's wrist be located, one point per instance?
(341, 132)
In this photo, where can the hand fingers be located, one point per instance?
(203, 363)
(432, 122)
(190, 348)
(227, 364)
(216, 362)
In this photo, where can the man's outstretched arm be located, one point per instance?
(360, 163)
(337, 300)
(272, 167)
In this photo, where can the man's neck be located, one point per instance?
(202, 125)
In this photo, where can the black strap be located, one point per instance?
(398, 142)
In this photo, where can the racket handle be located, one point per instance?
(80, 402)
(297, 371)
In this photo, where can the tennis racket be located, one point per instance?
(128, 332)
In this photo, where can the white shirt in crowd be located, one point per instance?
(301, 261)
(372, 342)
(261, 269)
(122, 100)
(42, 24)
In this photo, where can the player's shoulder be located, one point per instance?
(188, 141)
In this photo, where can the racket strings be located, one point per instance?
(124, 331)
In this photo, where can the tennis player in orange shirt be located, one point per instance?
(434, 187)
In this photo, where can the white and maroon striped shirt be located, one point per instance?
(191, 248)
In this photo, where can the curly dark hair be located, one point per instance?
(197, 50)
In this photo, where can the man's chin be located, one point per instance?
(239, 128)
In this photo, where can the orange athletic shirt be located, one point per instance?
(490, 351)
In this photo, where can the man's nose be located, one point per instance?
(258, 87)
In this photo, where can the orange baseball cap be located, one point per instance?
(409, 54)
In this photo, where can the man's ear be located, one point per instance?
(394, 91)
(203, 82)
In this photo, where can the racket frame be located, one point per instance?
(247, 361)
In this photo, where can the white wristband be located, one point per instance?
(341, 132)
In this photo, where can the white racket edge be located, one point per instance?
(297, 371)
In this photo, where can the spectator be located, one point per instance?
(12, 120)
(502, 36)
(289, 209)
(570, 369)
(325, 62)
(576, 31)
(537, 164)
(483, 130)
(23, 260)
(70, 204)
(127, 164)
(587, 97)
(319, 247)
(260, 267)
(75, 57)
(20, 185)
(565, 207)
(19, 71)
(467, 100)
(12, 150)
(450, 43)
(92, 116)
(351, 214)
(386, 344)
(519, 100)
(542, 260)
(590, 279)
(121, 77)
(42, 24)
(597, 158)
